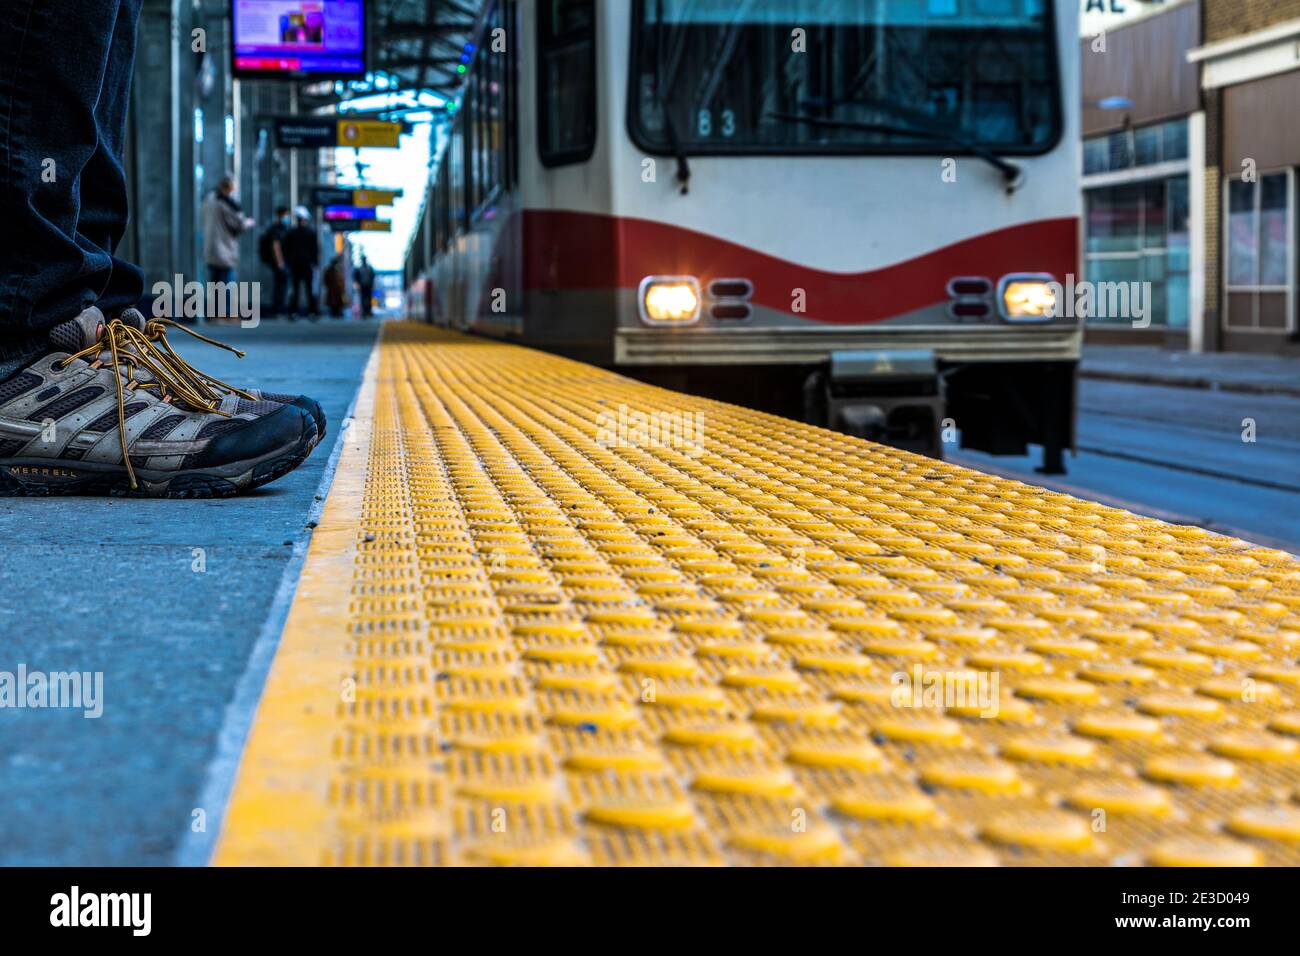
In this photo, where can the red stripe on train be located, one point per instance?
(570, 250)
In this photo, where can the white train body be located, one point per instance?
(837, 199)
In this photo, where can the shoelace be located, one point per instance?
(155, 330)
(172, 377)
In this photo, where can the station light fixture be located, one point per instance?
(1027, 298)
(669, 300)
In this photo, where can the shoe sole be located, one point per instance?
(317, 434)
(43, 478)
(322, 426)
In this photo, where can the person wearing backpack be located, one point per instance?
(270, 249)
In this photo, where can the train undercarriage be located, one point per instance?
(906, 398)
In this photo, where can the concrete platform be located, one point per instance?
(106, 585)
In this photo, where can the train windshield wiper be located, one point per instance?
(661, 96)
(679, 154)
(1012, 173)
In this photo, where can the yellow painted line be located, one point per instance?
(278, 815)
(552, 616)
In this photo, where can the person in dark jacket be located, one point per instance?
(270, 250)
(365, 280)
(302, 255)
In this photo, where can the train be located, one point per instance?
(854, 212)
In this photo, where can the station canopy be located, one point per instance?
(415, 49)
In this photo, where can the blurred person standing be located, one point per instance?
(223, 222)
(270, 249)
(336, 288)
(365, 281)
(302, 255)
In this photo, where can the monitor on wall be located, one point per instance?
(298, 38)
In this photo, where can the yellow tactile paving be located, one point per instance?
(554, 616)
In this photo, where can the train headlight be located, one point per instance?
(1027, 298)
(670, 300)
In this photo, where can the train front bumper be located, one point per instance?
(756, 345)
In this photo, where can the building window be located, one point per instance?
(566, 93)
(1133, 148)
(1259, 246)
(1138, 222)
(1138, 232)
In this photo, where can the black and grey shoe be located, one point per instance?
(230, 399)
(104, 412)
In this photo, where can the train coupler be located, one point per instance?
(891, 396)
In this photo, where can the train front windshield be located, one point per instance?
(856, 76)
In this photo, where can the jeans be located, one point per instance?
(279, 291)
(65, 84)
(304, 281)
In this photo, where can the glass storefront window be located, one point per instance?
(1138, 232)
(1154, 225)
(1259, 232)
(1260, 246)
(1178, 254)
(1094, 156)
(1114, 220)
(1115, 270)
(1175, 141)
(1274, 241)
(1180, 211)
(1148, 145)
(1241, 233)
(1121, 150)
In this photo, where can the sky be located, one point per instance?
(404, 168)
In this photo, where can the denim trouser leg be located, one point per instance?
(279, 292)
(303, 283)
(103, 186)
(54, 61)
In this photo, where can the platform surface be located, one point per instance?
(170, 601)
(555, 616)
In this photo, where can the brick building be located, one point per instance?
(1191, 151)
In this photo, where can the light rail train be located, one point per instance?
(847, 211)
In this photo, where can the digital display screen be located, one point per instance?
(349, 214)
(299, 37)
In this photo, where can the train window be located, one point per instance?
(510, 104)
(444, 207)
(844, 76)
(490, 82)
(455, 159)
(566, 95)
(477, 142)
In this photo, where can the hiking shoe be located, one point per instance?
(231, 400)
(66, 419)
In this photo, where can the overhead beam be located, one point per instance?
(400, 31)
